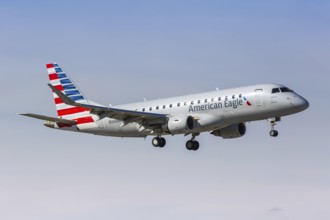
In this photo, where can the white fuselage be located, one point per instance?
(212, 110)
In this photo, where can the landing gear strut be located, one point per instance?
(192, 144)
(273, 132)
(158, 141)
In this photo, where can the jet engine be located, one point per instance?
(231, 131)
(50, 124)
(179, 124)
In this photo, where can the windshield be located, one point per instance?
(285, 89)
(275, 90)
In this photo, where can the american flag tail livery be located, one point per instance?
(60, 80)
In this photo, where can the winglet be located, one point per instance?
(65, 98)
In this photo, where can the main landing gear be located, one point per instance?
(158, 141)
(273, 132)
(192, 144)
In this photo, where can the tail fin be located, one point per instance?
(59, 79)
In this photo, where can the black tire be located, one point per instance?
(162, 142)
(190, 145)
(273, 133)
(196, 145)
(156, 142)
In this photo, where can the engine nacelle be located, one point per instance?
(179, 124)
(231, 131)
(50, 124)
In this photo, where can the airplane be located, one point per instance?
(222, 113)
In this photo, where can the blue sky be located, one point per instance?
(124, 51)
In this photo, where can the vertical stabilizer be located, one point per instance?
(60, 80)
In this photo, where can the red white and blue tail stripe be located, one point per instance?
(60, 80)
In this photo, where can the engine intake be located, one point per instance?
(231, 131)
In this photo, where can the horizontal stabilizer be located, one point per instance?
(42, 117)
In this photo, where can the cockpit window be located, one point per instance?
(285, 89)
(275, 90)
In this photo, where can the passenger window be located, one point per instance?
(192, 102)
(212, 100)
(233, 97)
(178, 104)
(240, 96)
(275, 90)
(170, 105)
(157, 107)
(164, 106)
(226, 98)
(150, 108)
(205, 100)
(199, 101)
(143, 109)
(185, 103)
(219, 99)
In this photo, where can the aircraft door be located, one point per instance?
(258, 97)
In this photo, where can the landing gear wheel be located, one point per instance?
(273, 133)
(156, 142)
(192, 145)
(196, 145)
(162, 142)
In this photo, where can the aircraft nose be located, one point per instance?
(301, 103)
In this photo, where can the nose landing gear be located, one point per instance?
(273, 132)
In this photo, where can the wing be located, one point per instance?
(145, 119)
(48, 118)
